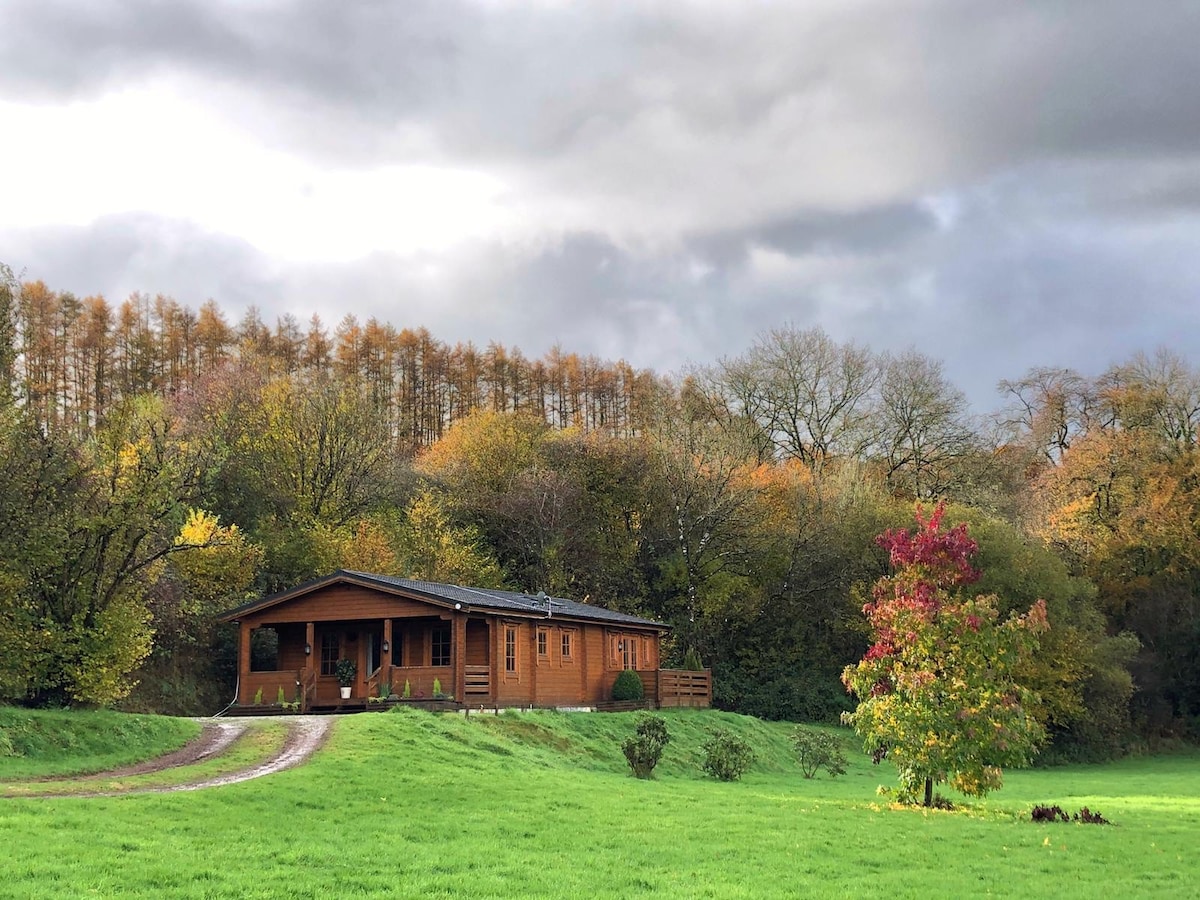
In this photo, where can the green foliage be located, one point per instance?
(727, 756)
(628, 686)
(437, 689)
(434, 548)
(691, 660)
(407, 692)
(818, 750)
(645, 749)
(89, 525)
(344, 671)
(258, 697)
(279, 698)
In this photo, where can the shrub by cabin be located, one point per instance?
(419, 640)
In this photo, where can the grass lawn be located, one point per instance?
(37, 743)
(414, 805)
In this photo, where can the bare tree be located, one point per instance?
(923, 426)
(808, 392)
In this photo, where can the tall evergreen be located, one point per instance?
(8, 336)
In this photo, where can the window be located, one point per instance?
(543, 641)
(329, 652)
(510, 649)
(440, 651)
(627, 652)
(566, 645)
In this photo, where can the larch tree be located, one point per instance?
(938, 690)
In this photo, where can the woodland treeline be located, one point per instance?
(159, 466)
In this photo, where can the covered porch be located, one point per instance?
(430, 657)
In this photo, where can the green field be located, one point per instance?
(36, 743)
(413, 804)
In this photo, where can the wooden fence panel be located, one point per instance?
(679, 687)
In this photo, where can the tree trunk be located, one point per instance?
(929, 792)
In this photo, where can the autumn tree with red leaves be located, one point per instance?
(937, 690)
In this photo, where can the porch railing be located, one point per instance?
(478, 681)
(308, 688)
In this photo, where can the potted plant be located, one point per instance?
(344, 672)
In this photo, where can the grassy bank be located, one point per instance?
(414, 805)
(38, 743)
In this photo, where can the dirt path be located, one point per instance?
(305, 736)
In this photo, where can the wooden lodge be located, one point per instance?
(417, 641)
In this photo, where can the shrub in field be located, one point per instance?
(726, 756)
(1049, 814)
(645, 749)
(818, 750)
(691, 660)
(1058, 814)
(628, 686)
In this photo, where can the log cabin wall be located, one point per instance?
(597, 678)
(559, 675)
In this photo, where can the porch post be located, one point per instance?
(458, 656)
(310, 636)
(385, 664)
(243, 656)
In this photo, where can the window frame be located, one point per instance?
(330, 640)
(440, 641)
(510, 650)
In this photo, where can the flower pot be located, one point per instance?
(345, 692)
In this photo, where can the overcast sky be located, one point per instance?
(998, 184)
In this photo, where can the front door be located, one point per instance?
(374, 643)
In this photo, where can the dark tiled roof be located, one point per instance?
(488, 599)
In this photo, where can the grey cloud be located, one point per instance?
(1000, 185)
(992, 296)
(945, 85)
(118, 255)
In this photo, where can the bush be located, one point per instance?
(344, 671)
(645, 750)
(628, 686)
(726, 756)
(691, 661)
(1058, 814)
(818, 750)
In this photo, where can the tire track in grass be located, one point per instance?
(306, 734)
